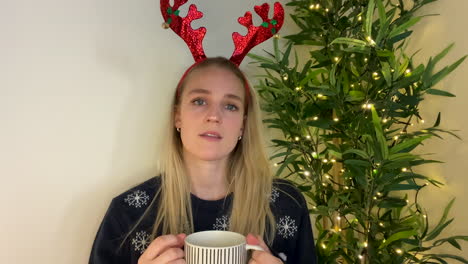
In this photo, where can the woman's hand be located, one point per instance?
(261, 257)
(164, 250)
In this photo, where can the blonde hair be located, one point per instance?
(248, 172)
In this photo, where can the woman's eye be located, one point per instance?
(199, 101)
(231, 107)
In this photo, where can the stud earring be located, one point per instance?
(239, 138)
(178, 129)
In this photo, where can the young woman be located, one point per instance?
(214, 176)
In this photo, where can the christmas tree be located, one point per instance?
(348, 113)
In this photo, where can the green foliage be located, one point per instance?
(349, 116)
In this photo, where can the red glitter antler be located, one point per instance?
(256, 35)
(181, 26)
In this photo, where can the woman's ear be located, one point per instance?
(177, 121)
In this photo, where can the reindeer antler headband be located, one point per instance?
(243, 44)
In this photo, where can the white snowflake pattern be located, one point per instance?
(222, 223)
(141, 241)
(137, 199)
(274, 194)
(286, 227)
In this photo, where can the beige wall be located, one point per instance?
(431, 36)
(84, 88)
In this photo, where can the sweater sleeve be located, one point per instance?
(107, 247)
(305, 248)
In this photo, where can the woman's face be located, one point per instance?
(210, 113)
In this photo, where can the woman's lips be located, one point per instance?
(211, 135)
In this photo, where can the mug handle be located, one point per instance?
(253, 247)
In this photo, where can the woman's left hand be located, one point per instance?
(261, 257)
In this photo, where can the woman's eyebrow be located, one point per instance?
(199, 90)
(204, 91)
(233, 96)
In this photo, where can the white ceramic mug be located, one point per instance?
(217, 247)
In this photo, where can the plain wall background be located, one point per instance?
(84, 91)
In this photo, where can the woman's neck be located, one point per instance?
(208, 178)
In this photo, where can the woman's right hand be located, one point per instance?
(164, 250)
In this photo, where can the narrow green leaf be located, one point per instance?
(285, 60)
(404, 27)
(382, 13)
(443, 53)
(449, 256)
(358, 152)
(286, 162)
(280, 154)
(349, 41)
(439, 92)
(437, 122)
(444, 72)
(398, 236)
(370, 17)
(434, 233)
(401, 187)
(408, 143)
(386, 73)
(379, 134)
(260, 58)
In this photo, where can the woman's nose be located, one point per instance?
(213, 115)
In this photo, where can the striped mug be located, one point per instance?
(216, 247)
